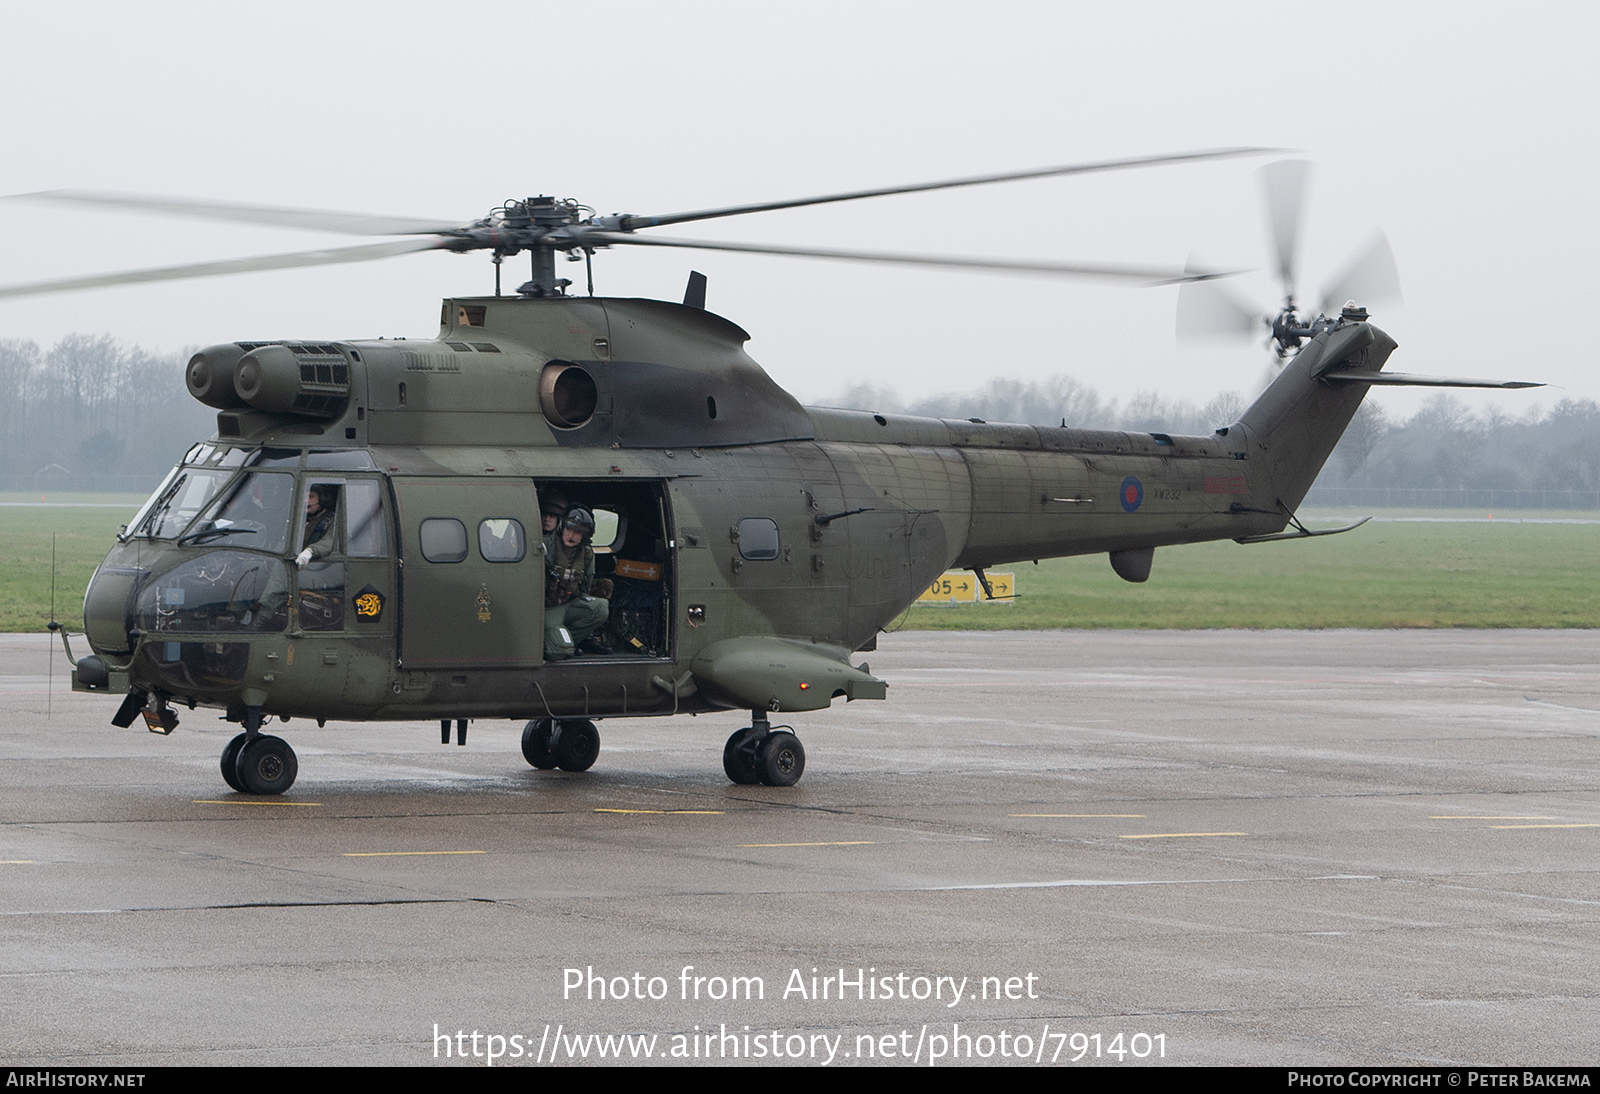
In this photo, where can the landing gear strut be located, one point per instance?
(572, 744)
(256, 762)
(760, 754)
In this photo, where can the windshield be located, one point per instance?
(170, 508)
(255, 513)
(132, 527)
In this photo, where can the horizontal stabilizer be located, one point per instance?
(1302, 532)
(1406, 379)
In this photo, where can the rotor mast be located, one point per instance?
(532, 225)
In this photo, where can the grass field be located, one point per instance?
(1484, 574)
(82, 537)
(1381, 575)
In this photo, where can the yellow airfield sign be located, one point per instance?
(963, 587)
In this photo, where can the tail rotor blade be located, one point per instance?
(1269, 373)
(1371, 278)
(1208, 310)
(1283, 185)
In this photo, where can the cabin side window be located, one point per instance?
(758, 539)
(501, 540)
(443, 539)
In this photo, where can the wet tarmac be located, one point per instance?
(1130, 848)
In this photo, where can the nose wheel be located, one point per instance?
(267, 765)
(258, 763)
(230, 763)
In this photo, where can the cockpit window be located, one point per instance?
(223, 591)
(256, 514)
(275, 457)
(173, 506)
(363, 511)
(139, 518)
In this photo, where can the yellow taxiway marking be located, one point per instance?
(222, 801)
(16, 862)
(669, 812)
(1123, 816)
(401, 854)
(1544, 826)
(1451, 816)
(825, 843)
(1175, 835)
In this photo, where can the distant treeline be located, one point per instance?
(1553, 453)
(92, 414)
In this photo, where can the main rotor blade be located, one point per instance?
(629, 223)
(320, 220)
(1371, 278)
(363, 253)
(1283, 185)
(1143, 274)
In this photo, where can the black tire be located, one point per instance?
(267, 765)
(577, 745)
(739, 758)
(536, 743)
(782, 760)
(230, 763)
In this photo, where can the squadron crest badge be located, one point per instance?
(369, 603)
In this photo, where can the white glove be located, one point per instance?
(302, 558)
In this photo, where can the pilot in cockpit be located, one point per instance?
(318, 540)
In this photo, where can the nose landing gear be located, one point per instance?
(230, 762)
(256, 762)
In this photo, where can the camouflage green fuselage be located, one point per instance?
(781, 538)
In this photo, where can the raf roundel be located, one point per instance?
(1131, 494)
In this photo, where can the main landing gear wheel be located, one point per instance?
(782, 759)
(266, 765)
(739, 757)
(230, 763)
(577, 745)
(536, 737)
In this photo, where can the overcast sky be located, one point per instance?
(1466, 132)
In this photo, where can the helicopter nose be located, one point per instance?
(108, 608)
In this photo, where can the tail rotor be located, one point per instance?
(1207, 311)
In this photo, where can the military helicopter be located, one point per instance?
(360, 538)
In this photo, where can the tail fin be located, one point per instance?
(1292, 428)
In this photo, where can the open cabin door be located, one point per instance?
(471, 573)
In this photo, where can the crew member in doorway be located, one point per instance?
(572, 615)
(554, 507)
